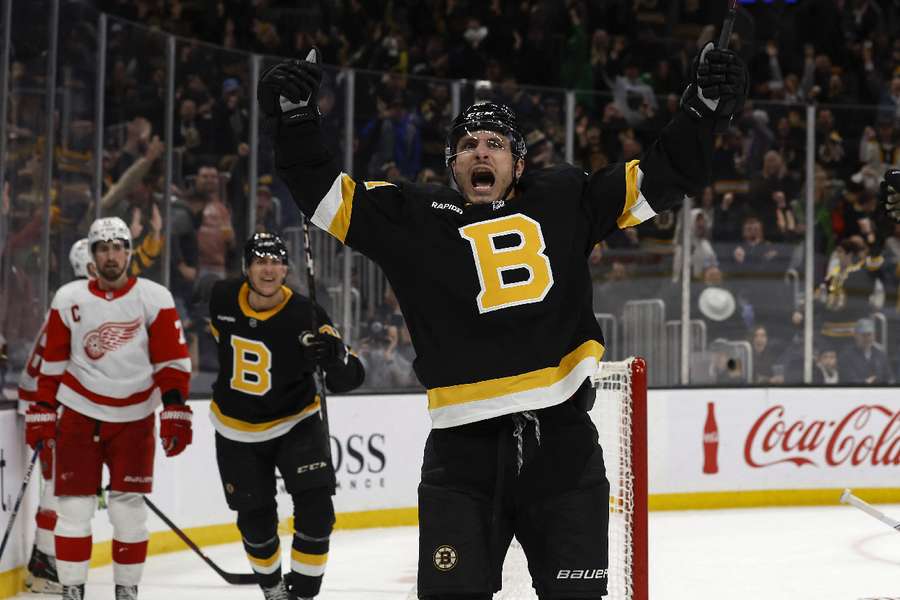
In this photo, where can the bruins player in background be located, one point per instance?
(494, 285)
(266, 413)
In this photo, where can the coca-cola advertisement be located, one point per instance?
(800, 444)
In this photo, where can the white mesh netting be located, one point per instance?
(612, 414)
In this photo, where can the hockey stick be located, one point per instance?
(311, 284)
(727, 25)
(232, 578)
(15, 510)
(848, 498)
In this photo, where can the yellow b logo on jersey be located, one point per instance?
(251, 364)
(492, 262)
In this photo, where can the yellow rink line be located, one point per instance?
(166, 541)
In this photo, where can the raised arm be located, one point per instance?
(678, 163)
(358, 214)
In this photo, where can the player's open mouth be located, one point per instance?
(482, 179)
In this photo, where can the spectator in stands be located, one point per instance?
(268, 207)
(231, 118)
(184, 253)
(137, 137)
(865, 362)
(831, 152)
(778, 217)
(702, 255)
(716, 304)
(757, 267)
(764, 356)
(193, 134)
(845, 293)
(215, 234)
(773, 177)
(632, 95)
(826, 370)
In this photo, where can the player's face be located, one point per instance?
(484, 166)
(111, 260)
(266, 275)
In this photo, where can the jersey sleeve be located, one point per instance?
(359, 214)
(169, 353)
(57, 350)
(677, 164)
(28, 378)
(352, 374)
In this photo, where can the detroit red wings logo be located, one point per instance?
(109, 337)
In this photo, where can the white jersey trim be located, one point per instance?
(533, 399)
(102, 412)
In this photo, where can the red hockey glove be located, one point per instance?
(175, 428)
(40, 426)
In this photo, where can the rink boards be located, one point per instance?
(777, 446)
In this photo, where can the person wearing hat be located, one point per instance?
(231, 118)
(865, 362)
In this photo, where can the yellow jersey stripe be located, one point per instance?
(341, 221)
(309, 559)
(636, 209)
(492, 388)
(214, 331)
(239, 425)
(266, 562)
(244, 303)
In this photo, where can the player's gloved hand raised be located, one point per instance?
(175, 430)
(40, 426)
(288, 91)
(324, 350)
(719, 88)
(889, 194)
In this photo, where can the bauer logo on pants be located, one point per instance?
(445, 558)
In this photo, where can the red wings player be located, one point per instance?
(41, 577)
(114, 349)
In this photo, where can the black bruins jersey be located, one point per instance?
(265, 386)
(497, 297)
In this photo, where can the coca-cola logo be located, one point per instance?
(867, 434)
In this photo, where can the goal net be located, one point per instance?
(620, 416)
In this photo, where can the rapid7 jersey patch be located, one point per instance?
(526, 252)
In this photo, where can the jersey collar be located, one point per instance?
(244, 303)
(94, 288)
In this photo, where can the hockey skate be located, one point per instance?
(73, 592)
(126, 592)
(277, 592)
(41, 577)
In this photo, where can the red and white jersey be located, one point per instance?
(110, 354)
(27, 386)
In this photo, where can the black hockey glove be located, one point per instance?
(889, 194)
(288, 92)
(324, 350)
(719, 88)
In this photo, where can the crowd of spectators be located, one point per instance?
(627, 62)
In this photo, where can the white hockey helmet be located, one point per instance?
(80, 257)
(108, 229)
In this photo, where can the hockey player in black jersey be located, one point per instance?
(494, 285)
(266, 413)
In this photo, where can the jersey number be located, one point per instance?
(251, 366)
(492, 262)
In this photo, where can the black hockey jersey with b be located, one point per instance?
(497, 297)
(265, 386)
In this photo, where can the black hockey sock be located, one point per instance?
(259, 533)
